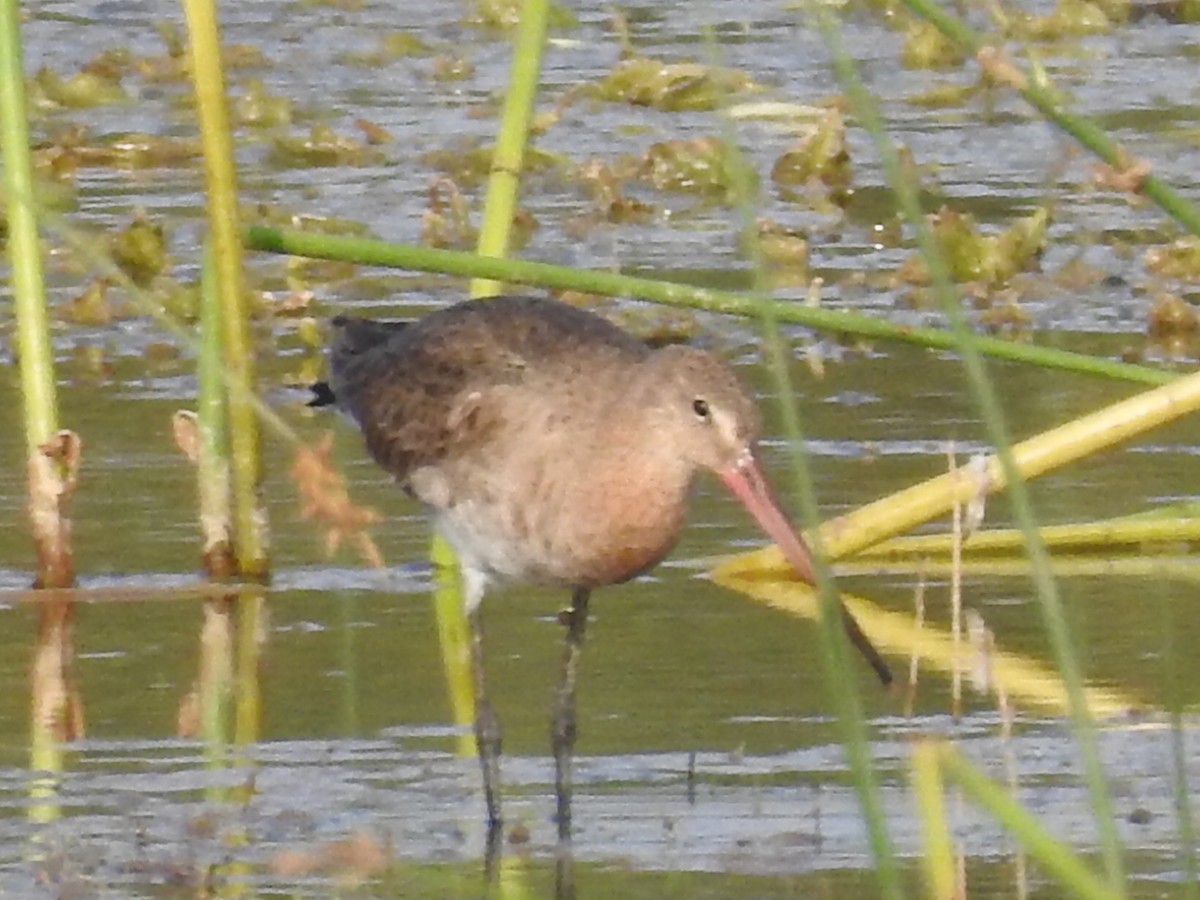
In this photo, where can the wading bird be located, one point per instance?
(551, 448)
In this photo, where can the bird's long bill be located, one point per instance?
(745, 481)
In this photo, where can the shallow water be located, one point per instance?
(709, 761)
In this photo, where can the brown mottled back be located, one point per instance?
(420, 391)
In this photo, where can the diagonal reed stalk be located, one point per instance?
(869, 525)
(1049, 103)
(751, 305)
(834, 645)
(1044, 583)
(1052, 855)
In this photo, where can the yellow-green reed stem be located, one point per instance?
(1053, 856)
(509, 155)
(213, 463)
(214, 684)
(55, 713)
(94, 255)
(1049, 103)
(494, 239)
(1044, 583)
(25, 254)
(938, 855)
(33, 335)
(451, 262)
(453, 638)
(842, 686)
(251, 629)
(250, 527)
(250, 613)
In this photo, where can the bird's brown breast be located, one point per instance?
(558, 515)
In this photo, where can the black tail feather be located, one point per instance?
(322, 395)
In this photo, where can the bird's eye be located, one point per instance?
(700, 408)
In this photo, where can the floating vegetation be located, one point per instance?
(1173, 324)
(605, 188)
(468, 163)
(322, 147)
(389, 47)
(140, 250)
(818, 159)
(1180, 259)
(133, 150)
(704, 166)
(783, 247)
(671, 87)
(446, 219)
(506, 14)
(971, 255)
(945, 96)
(447, 67)
(1069, 19)
(259, 108)
(375, 133)
(92, 307)
(49, 90)
(282, 216)
(925, 47)
(1003, 313)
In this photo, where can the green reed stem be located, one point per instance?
(834, 643)
(40, 403)
(509, 155)
(24, 247)
(451, 262)
(213, 462)
(1174, 679)
(1049, 103)
(251, 628)
(215, 688)
(1050, 603)
(842, 685)
(1052, 855)
(250, 527)
(494, 240)
(929, 793)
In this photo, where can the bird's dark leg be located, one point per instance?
(487, 726)
(562, 739)
(562, 726)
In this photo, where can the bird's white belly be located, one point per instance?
(490, 544)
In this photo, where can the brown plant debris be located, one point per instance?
(358, 856)
(1129, 176)
(1000, 69)
(57, 703)
(53, 476)
(324, 499)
